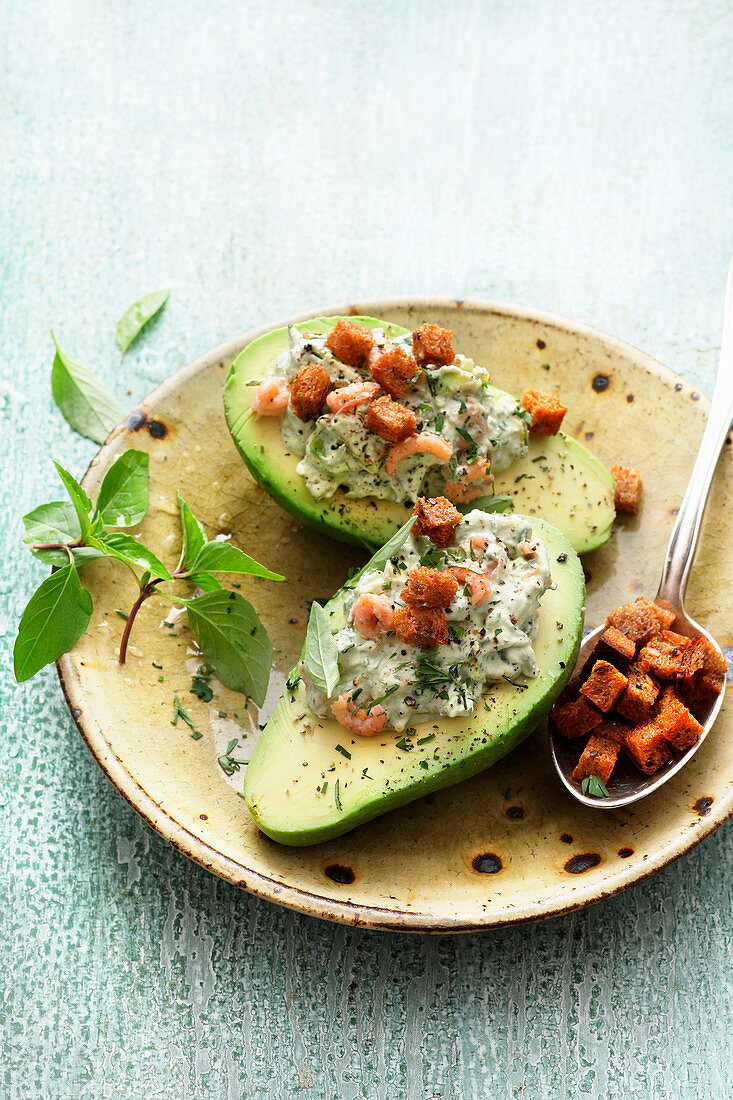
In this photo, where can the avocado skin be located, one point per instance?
(368, 522)
(292, 757)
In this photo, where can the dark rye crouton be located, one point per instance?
(350, 343)
(640, 620)
(678, 725)
(429, 588)
(662, 655)
(616, 646)
(603, 686)
(599, 756)
(433, 344)
(639, 697)
(308, 391)
(437, 518)
(421, 626)
(576, 719)
(647, 747)
(395, 371)
(390, 420)
(626, 489)
(546, 410)
(703, 669)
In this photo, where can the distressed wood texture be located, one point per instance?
(259, 158)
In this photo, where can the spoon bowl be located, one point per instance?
(627, 784)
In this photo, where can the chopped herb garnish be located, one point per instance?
(337, 795)
(424, 764)
(343, 751)
(227, 763)
(425, 740)
(462, 407)
(529, 477)
(222, 713)
(293, 680)
(594, 786)
(539, 458)
(122, 614)
(179, 712)
(381, 698)
(514, 683)
(324, 786)
(404, 744)
(155, 664)
(365, 774)
(200, 685)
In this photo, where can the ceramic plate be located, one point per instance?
(506, 846)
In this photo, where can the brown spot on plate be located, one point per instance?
(702, 806)
(157, 429)
(515, 813)
(488, 863)
(135, 420)
(695, 396)
(587, 574)
(203, 817)
(541, 345)
(589, 436)
(629, 397)
(600, 383)
(566, 838)
(337, 872)
(625, 852)
(584, 861)
(678, 387)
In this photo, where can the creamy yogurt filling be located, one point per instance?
(454, 401)
(488, 642)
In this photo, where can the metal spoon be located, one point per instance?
(627, 784)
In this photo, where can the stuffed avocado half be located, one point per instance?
(354, 468)
(423, 670)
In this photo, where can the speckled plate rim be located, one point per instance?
(313, 904)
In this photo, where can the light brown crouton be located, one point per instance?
(422, 626)
(626, 489)
(703, 669)
(639, 621)
(390, 420)
(640, 694)
(547, 411)
(598, 758)
(576, 719)
(603, 686)
(432, 344)
(395, 371)
(429, 588)
(437, 518)
(308, 391)
(673, 718)
(616, 646)
(350, 343)
(647, 747)
(662, 655)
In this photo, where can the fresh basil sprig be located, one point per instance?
(88, 406)
(496, 502)
(136, 317)
(321, 652)
(68, 534)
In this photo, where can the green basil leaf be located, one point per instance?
(87, 405)
(80, 500)
(494, 503)
(206, 582)
(56, 616)
(80, 554)
(382, 556)
(222, 557)
(134, 319)
(233, 641)
(123, 496)
(193, 536)
(56, 521)
(128, 549)
(321, 652)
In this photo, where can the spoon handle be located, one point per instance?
(682, 542)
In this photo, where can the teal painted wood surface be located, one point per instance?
(260, 158)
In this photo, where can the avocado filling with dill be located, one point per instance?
(489, 580)
(454, 402)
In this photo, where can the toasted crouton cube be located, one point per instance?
(616, 645)
(390, 420)
(598, 758)
(626, 489)
(395, 371)
(604, 685)
(647, 747)
(639, 697)
(703, 669)
(678, 725)
(576, 719)
(308, 391)
(432, 344)
(662, 655)
(437, 518)
(547, 411)
(422, 626)
(350, 343)
(664, 611)
(639, 621)
(429, 588)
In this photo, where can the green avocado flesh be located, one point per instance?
(569, 485)
(297, 755)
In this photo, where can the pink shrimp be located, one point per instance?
(365, 724)
(478, 586)
(476, 482)
(271, 397)
(373, 615)
(426, 443)
(528, 548)
(348, 397)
